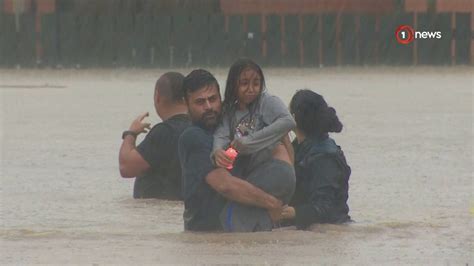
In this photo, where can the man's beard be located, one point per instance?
(209, 120)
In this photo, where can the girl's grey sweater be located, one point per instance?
(270, 121)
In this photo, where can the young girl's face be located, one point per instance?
(249, 86)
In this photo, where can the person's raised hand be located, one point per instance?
(221, 159)
(138, 126)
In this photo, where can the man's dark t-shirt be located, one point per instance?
(202, 204)
(160, 150)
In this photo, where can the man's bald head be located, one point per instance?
(169, 87)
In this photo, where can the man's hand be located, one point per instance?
(138, 126)
(221, 159)
(275, 214)
(276, 210)
(288, 212)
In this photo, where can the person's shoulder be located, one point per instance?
(178, 123)
(192, 135)
(160, 129)
(270, 100)
(326, 150)
(326, 146)
(272, 107)
(266, 96)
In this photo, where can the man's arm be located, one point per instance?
(131, 162)
(241, 191)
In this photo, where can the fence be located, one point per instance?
(146, 33)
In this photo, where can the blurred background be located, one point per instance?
(188, 33)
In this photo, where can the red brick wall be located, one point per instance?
(455, 6)
(44, 6)
(305, 6)
(416, 5)
(8, 5)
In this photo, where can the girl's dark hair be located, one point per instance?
(230, 95)
(312, 114)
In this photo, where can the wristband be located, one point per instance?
(129, 132)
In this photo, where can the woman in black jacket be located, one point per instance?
(322, 173)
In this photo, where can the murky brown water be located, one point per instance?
(408, 137)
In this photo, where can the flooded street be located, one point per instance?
(408, 136)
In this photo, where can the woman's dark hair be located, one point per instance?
(230, 95)
(312, 114)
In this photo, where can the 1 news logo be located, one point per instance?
(406, 34)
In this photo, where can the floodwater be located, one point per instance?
(408, 135)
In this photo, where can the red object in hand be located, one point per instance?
(232, 154)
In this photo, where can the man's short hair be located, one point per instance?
(169, 86)
(196, 80)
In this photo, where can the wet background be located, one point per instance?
(408, 137)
